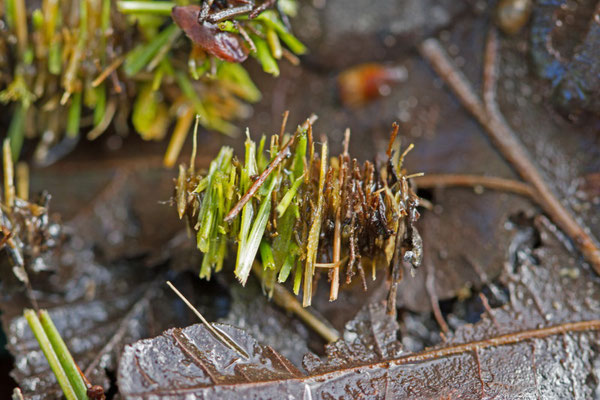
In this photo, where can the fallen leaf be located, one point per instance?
(534, 346)
(98, 296)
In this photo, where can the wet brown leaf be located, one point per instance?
(534, 347)
(98, 291)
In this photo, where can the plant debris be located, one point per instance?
(94, 64)
(555, 349)
(302, 211)
(97, 303)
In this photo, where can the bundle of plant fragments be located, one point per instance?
(91, 64)
(302, 211)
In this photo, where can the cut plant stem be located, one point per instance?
(506, 141)
(108, 70)
(51, 357)
(337, 234)
(395, 128)
(8, 166)
(23, 180)
(284, 299)
(315, 229)
(490, 182)
(63, 354)
(217, 333)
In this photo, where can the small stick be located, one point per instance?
(281, 155)
(220, 335)
(109, 70)
(291, 57)
(490, 182)
(506, 141)
(284, 299)
(228, 13)
(395, 128)
(245, 35)
(286, 114)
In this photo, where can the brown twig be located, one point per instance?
(395, 128)
(286, 114)
(505, 139)
(435, 305)
(109, 70)
(337, 234)
(284, 299)
(490, 182)
(281, 155)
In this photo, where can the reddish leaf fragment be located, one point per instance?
(208, 36)
(366, 82)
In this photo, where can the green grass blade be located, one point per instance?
(142, 54)
(248, 252)
(289, 196)
(64, 356)
(313, 235)
(264, 56)
(16, 130)
(74, 116)
(51, 357)
(266, 255)
(146, 7)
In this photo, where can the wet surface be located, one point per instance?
(472, 242)
(532, 347)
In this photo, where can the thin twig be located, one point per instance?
(435, 304)
(218, 334)
(284, 299)
(490, 182)
(281, 155)
(337, 234)
(505, 139)
(395, 128)
(107, 71)
(286, 114)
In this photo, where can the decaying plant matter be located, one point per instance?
(303, 211)
(90, 64)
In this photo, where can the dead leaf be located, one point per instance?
(99, 298)
(553, 341)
